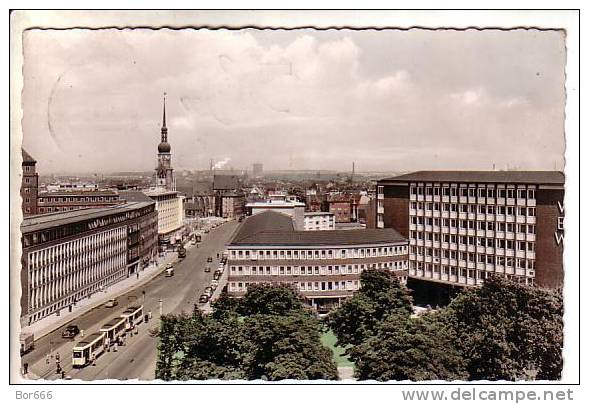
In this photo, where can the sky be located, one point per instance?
(388, 100)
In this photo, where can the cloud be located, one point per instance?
(309, 100)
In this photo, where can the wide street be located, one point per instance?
(135, 360)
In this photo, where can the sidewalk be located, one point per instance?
(53, 322)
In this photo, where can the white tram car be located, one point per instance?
(133, 316)
(114, 329)
(89, 348)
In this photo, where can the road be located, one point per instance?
(135, 360)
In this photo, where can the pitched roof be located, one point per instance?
(225, 182)
(27, 158)
(276, 229)
(520, 177)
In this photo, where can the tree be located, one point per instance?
(266, 335)
(380, 295)
(405, 348)
(288, 347)
(509, 331)
(270, 299)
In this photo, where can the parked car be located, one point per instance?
(210, 259)
(214, 284)
(207, 269)
(112, 303)
(169, 272)
(203, 299)
(208, 290)
(193, 242)
(70, 331)
(170, 265)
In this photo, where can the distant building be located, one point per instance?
(30, 184)
(226, 183)
(342, 209)
(199, 206)
(170, 214)
(68, 256)
(319, 221)
(60, 201)
(464, 226)
(232, 205)
(258, 170)
(294, 209)
(324, 266)
(164, 173)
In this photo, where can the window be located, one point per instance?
(511, 193)
(531, 194)
(532, 212)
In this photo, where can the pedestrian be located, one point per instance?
(93, 360)
(25, 368)
(82, 333)
(57, 357)
(137, 275)
(63, 374)
(47, 359)
(116, 346)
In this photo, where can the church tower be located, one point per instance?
(164, 173)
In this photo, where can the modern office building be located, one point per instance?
(324, 266)
(68, 256)
(29, 184)
(464, 226)
(319, 221)
(170, 214)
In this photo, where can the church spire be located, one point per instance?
(164, 128)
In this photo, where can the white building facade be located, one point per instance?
(319, 221)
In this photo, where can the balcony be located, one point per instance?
(380, 209)
(521, 202)
(380, 196)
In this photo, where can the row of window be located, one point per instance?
(480, 209)
(477, 225)
(46, 199)
(481, 192)
(507, 244)
(315, 270)
(303, 286)
(471, 257)
(470, 274)
(319, 254)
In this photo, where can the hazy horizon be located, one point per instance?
(388, 100)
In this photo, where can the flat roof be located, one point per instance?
(319, 213)
(276, 229)
(519, 177)
(55, 219)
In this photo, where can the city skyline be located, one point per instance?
(317, 100)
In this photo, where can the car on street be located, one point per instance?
(193, 242)
(70, 331)
(210, 259)
(207, 269)
(112, 303)
(170, 265)
(208, 289)
(203, 299)
(169, 272)
(216, 275)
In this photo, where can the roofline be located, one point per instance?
(305, 246)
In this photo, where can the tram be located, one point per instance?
(133, 316)
(88, 349)
(114, 329)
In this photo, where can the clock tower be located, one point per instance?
(164, 173)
